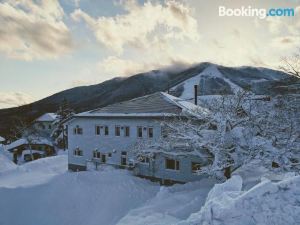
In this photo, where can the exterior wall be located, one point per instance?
(157, 168)
(88, 141)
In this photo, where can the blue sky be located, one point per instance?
(49, 46)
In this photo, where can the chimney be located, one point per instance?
(196, 94)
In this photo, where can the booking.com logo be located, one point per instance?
(255, 12)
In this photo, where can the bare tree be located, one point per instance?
(27, 132)
(291, 64)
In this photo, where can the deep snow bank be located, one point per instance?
(5, 162)
(170, 205)
(265, 203)
(75, 198)
(32, 173)
(43, 192)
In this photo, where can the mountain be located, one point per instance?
(212, 79)
(216, 79)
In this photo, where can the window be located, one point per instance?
(49, 126)
(144, 159)
(96, 154)
(109, 154)
(127, 132)
(117, 131)
(103, 158)
(140, 132)
(78, 130)
(97, 130)
(196, 167)
(150, 132)
(106, 131)
(172, 164)
(78, 152)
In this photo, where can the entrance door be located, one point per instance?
(123, 158)
(103, 158)
(123, 161)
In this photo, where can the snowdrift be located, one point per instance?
(267, 203)
(5, 162)
(170, 205)
(43, 192)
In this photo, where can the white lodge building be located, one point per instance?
(109, 135)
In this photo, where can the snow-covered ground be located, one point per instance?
(43, 192)
(265, 203)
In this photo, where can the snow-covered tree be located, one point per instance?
(27, 132)
(238, 129)
(64, 113)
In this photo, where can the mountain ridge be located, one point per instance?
(83, 98)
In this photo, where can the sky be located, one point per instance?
(47, 46)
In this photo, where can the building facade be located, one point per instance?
(45, 123)
(112, 134)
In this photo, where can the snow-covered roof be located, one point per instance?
(22, 141)
(158, 104)
(47, 117)
(2, 139)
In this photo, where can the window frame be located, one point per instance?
(77, 130)
(148, 133)
(96, 154)
(137, 131)
(126, 128)
(106, 130)
(176, 164)
(78, 152)
(145, 160)
(97, 128)
(117, 130)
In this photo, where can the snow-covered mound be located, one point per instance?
(170, 205)
(267, 203)
(33, 173)
(5, 162)
(44, 192)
